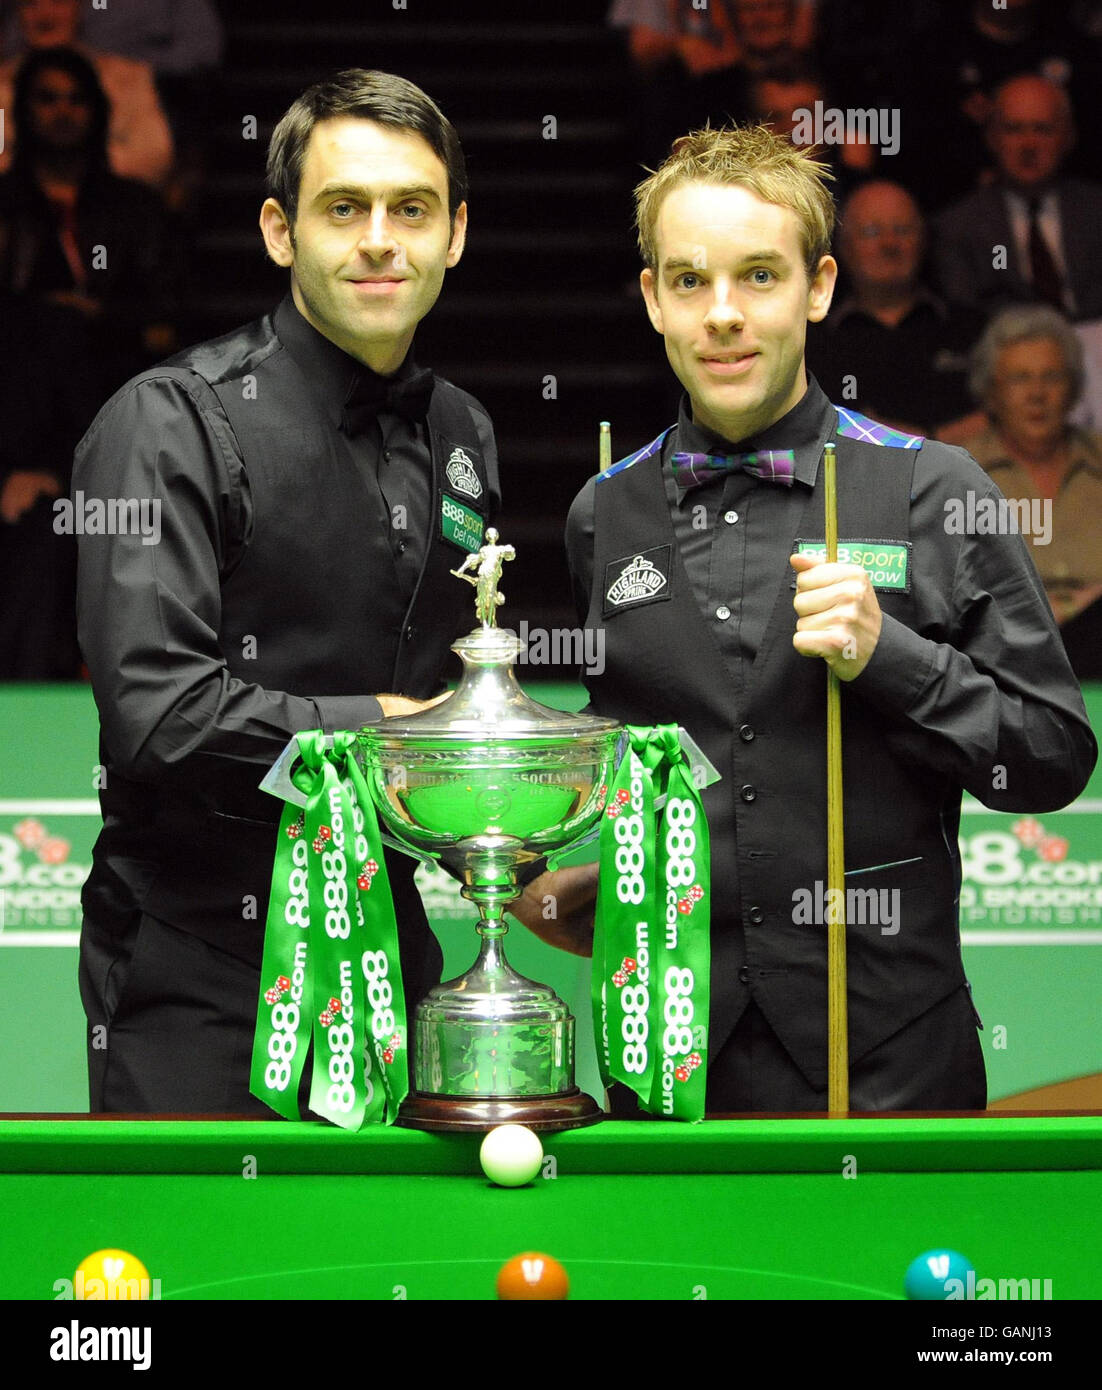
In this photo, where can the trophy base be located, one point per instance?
(542, 1114)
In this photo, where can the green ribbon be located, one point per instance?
(651, 953)
(331, 947)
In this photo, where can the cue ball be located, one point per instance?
(926, 1274)
(511, 1155)
(532, 1277)
(109, 1266)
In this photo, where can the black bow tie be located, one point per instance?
(408, 396)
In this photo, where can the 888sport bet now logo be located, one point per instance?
(44, 860)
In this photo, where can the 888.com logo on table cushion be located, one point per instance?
(45, 856)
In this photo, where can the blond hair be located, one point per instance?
(754, 157)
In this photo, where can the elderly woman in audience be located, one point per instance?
(1027, 372)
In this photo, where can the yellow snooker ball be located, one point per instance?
(111, 1274)
(511, 1155)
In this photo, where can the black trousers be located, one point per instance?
(933, 1063)
(170, 1026)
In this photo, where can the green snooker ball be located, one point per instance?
(928, 1274)
(511, 1155)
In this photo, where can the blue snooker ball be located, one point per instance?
(927, 1275)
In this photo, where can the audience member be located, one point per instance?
(1035, 234)
(695, 65)
(786, 99)
(140, 142)
(978, 48)
(173, 36)
(47, 401)
(1027, 372)
(891, 348)
(73, 233)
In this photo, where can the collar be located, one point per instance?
(804, 430)
(332, 374)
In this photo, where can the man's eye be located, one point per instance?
(342, 210)
(688, 281)
(413, 212)
(761, 276)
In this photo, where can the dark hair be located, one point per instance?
(76, 66)
(372, 96)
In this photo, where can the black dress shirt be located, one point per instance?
(391, 455)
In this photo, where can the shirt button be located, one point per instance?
(756, 915)
(748, 793)
(746, 733)
(744, 974)
(386, 455)
(409, 634)
(401, 547)
(730, 517)
(723, 612)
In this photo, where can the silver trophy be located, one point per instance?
(485, 782)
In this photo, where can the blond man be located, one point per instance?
(952, 671)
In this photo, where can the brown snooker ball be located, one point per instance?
(532, 1276)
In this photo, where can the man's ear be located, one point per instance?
(276, 231)
(459, 236)
(650, 297)
(822, 290)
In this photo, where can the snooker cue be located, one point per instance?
(605, 446)
(837, 1021)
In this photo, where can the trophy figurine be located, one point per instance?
(486, 781)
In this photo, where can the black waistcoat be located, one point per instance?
(316, 588)
(767, 817)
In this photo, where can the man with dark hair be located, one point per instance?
(299, 493)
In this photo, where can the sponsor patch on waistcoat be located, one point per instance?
(460, 525)
(887, 563)
(462, 475)
(634, 580)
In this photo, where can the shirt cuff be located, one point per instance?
(340, 712)
(526, 873)
(900, 667)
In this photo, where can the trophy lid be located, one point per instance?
(488, 702)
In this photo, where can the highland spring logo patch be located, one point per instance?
(462, 475)
(637, 579)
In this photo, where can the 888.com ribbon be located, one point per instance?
(651, 951)
(331, 953)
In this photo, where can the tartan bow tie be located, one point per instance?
(774, 465)
(408, 396)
